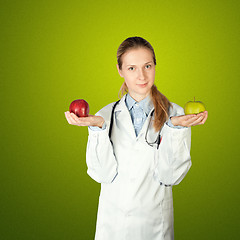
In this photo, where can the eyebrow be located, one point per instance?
(144, 63)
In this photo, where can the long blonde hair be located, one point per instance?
(160, 102)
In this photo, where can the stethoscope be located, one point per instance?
(152, 144)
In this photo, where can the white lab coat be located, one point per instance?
(134, 202)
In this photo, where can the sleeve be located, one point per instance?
(98, 128)
(173, 156)
(169, 123)
(100, 158)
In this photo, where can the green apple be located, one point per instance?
(194, 107)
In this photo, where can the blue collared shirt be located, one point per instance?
(139, 111)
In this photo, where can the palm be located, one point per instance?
(190, 120)
(91, 120)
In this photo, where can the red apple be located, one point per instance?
(79, 107)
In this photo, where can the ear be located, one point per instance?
(119, 71)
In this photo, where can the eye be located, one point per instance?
(148, 66)
(131, 68)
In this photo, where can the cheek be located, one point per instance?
(129, 79)
(128, 82)
(153, 76)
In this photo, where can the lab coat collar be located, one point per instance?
(123, 115)
(146, 104)
(125, 120)
(122, 105)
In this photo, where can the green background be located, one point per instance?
(53, 52)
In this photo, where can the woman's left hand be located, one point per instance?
(190, 120)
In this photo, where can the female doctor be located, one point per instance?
(142, 155)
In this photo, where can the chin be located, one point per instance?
(144, 92)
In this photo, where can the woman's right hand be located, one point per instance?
(91, 120)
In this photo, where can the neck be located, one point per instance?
(138, 98)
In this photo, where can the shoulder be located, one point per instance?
(175, 110)
(105, 111)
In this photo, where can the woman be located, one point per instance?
(142, 155)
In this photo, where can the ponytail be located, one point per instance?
(123, 90)
(161, 106)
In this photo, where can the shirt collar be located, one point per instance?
(146, 104)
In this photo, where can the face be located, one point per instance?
(138, 71)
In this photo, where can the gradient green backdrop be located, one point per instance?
(53, 52)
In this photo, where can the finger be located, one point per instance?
(74, 116)
(67, 117)
(82, 121)
(206, 113)
(194, 121)
(196, 116)
(198, 121)
(71, 119)
(205, 118)
(189, 121)
(77, 119)
(186, 120)
(189, 116)
(200, 114)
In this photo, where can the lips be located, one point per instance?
(142, 85)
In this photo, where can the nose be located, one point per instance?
(141, 75)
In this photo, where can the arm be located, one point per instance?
(174, 160)
(101, 162)
(173, 156)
